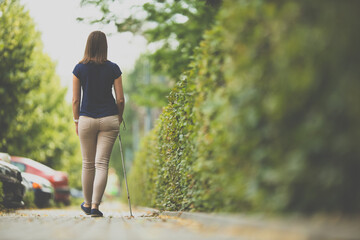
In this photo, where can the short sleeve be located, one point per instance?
(117, 71)
(76, 71)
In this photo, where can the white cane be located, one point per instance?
(123, 164)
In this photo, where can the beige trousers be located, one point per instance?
(97, 137)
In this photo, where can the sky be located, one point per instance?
(64, 38)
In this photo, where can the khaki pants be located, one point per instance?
(97, 137)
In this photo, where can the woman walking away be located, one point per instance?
(97, 121)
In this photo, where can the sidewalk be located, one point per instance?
(70, 223)
(148, 223)
(274, 228)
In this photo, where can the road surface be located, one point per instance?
(72, 223)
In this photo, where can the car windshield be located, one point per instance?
(19, 165)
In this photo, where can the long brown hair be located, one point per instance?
(96, 48)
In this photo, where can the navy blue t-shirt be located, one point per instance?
(96, 82)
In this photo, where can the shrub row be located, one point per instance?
(1, 195)
(266, 119)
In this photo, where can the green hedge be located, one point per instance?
(267, 117)
(1, 195)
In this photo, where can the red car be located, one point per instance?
(58, 179)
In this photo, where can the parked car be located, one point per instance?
(43, 189)
(5, 157)
(59, 180)
(13, 190)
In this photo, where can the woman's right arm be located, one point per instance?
(76, 101)
(120, 100)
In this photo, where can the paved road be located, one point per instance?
(71, 223)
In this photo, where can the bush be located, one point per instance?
(1, 195)
(29, 199)
(266, 119)
(143, 174)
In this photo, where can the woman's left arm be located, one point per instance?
(76, 101)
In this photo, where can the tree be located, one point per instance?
(18, 40)
(267, 118)
(35, 118)
(177, 28)
(145, 94)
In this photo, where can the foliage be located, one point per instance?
(152, 95)
(143, 90)
(143, 173)
(136, 102)
(266, 118)
(1, 195)
(34, 117)
(29, 199)
(175, 26)
(144, 87)
(18, 40)
(127, 144)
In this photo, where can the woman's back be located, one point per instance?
(97, 81)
